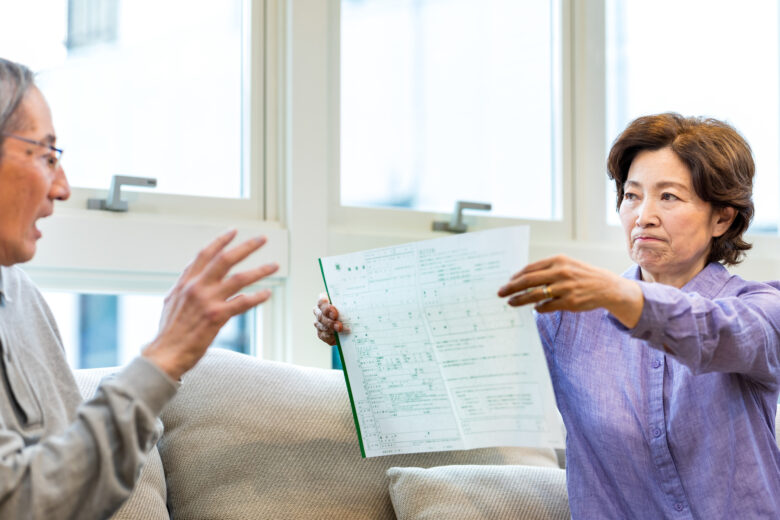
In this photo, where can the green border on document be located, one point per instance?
(344, 368)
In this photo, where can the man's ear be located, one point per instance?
(722, 219)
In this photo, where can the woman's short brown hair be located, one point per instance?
(718, 157)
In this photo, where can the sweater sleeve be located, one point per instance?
(737, 334)
(88, 470)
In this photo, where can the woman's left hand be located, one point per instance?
(561, 283)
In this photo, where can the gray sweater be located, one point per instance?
(61, 458)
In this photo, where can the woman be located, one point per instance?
(666, 377)
(60, 459)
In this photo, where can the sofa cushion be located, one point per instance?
(149, 497)
(246, 438)
(479, 492)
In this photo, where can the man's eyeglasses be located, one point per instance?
(53, 161)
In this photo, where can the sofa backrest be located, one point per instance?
(247, 438)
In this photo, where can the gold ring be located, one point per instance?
(547, 292)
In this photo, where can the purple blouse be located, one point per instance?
(674, 418)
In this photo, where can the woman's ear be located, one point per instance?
(722, 219)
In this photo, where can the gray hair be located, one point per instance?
(15, 81)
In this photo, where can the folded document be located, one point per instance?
(435, 360)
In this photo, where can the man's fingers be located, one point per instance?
(223, 261)
(206, 254)
(245, 278)
(243, 302)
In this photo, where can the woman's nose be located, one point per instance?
(647, 214)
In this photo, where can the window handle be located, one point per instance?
(456, 225)
(114, 201)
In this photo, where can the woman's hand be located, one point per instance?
(561, 283)
(326, 321)
(202, 301)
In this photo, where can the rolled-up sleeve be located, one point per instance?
(88, 470)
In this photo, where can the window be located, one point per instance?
(100, 330)
(712, 58)
(451, 100)
(170, 89)
(134, 94)
(91, 22)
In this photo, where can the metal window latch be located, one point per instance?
(456, 225)
(114, 201)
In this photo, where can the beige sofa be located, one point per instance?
(251, 439)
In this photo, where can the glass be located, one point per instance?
(150, 88)
(100, 330)
(712, 58)
(53, 164)
(448, 100)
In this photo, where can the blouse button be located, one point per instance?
(678, 506)
(656, 363)
(657, 432)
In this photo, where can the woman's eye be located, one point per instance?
(669, 196)
(630, 196)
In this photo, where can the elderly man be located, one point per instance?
(60, 458)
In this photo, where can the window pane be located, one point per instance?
(101, 330)
(149, 88)
(714, 58)
(451, 100)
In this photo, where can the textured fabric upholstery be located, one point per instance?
(246, 438)
(479, 492)
(148, 500)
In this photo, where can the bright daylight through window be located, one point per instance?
(100, 330)
(129, 98)
(451, 100)
(721, 62)
(151, 88)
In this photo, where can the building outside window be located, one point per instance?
(100, 330)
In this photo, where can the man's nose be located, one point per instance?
(60, 188)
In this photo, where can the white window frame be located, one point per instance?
(145, 249)
(584, 232)
(353, 225)
(294, 143)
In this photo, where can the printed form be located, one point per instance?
(435, 360)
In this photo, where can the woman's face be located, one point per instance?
(669, 229)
